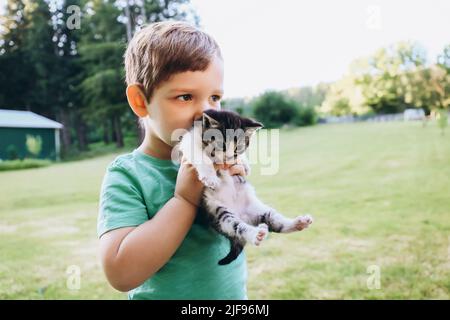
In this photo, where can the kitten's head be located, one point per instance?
(226, 134)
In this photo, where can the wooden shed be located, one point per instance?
(25, 134)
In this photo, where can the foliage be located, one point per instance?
(11, 152)
(75, 76)
(33, 144)
(273, 109)
(306, 116)
(23, 164)
(389, 81)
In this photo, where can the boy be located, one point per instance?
(152, 243)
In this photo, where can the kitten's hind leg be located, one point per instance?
(233, 227)
(275, 220)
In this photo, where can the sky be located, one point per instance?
(281, 44)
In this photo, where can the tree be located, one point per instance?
(75, 76)
(39, 55)
(344, 97)
(273, 109)
(388, 79)
(15, 70)
(310, 97)
(103, 43)
(441, 81)
(103, 89)
(239, 105)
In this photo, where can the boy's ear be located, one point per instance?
(137, 100)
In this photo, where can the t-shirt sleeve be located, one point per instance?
(121, 203)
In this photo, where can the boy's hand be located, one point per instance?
(188, 187)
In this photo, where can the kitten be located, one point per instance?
(230, 201)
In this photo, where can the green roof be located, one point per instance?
(26, 119)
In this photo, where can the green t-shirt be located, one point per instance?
(134, 188)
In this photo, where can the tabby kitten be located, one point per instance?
(230, 201)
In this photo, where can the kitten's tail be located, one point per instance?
(235, 251)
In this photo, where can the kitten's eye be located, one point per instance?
(185, 97)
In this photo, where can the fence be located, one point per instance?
(374, 118)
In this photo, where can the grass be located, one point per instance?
(18, 164)
(98, 149)
(378, 193)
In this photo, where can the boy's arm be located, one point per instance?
(132, 255)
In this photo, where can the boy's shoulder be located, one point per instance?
(135, 161)
(123, 160)
(122, 170)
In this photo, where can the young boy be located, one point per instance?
(152, 243)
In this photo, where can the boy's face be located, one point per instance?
(177, 102)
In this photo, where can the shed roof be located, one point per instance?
(25, 119)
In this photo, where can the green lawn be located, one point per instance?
(379, 193)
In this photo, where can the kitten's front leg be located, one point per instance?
(275, 220)
(245, 163)
(207, 173)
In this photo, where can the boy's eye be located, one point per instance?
(215, 98)
(185, 97)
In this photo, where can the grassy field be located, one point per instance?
(379, 193)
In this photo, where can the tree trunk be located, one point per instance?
(112, 129)
(118, 132)
(81, 134)
(106, 133)
(128, 22)
(65, 132)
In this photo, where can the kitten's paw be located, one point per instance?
(259, 234)
(247, 169)
(302, 222)
(212, 182)
(238, 179)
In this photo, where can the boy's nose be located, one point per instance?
(198, 115)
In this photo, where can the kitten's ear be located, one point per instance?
(252, 126)
(209, 122)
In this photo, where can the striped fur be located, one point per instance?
(231, 201)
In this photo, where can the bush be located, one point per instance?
(34, 145)
(23, 164)
(273, 109)
(11, 152)
(306, 116)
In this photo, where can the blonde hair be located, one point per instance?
(162, 49)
